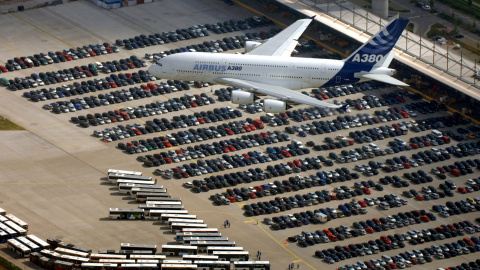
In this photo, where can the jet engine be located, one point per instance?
(242, 97)
(275, 106)
(250, 45)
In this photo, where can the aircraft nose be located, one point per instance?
(155, 70)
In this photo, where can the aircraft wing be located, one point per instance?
(283, 43)
(384, 78)
(280, 93)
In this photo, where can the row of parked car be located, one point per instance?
(294, 184)
(194, 31)
(56, 57)
(415, 257)
(196, 152)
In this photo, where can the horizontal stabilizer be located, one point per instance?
(384, 78)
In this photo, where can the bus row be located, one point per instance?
(47, 263)
(9, 230)
(9, 217)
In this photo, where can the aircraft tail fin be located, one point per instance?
(377, 49)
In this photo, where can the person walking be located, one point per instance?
(298, 265)
(292, 265)
(289, 266)
(224, 224)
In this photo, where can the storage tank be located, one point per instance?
(380, 8)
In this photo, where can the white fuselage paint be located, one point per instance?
(289, 72)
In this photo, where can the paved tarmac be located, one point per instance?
(51, 174)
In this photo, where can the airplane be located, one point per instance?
(266, 68)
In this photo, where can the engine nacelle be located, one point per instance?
(275, 106)
(250, 45)
(242, 97)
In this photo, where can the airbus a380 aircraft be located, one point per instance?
(268, 69)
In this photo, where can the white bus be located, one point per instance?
(152, 249)
(164, 217)
(11, 232)
(140, 195)
(96, 257)
(117, 213)
(139, 266)
(183, 220)
(188, 240)
(232, 255)
(200, 230)
(17, 221)
(178, 250)
(15, 227)
(3, 218)
(158, 213)
(130, 181)
(18, 248)
(178, 227)
(126, 188)
(2, 212)
(72, 252)
(99, 266)
(123, 171)
(211, 249)
(202, 245)
(113, 177)
(178, 266)
(38, 241)
(31, 245)
(117, 261)
(179, 236)
(150, 207)
(177, 261)
(148, 257)
(251, 265)
(200, 257)
(212, 264)
(163, 202)
(156, 197)
(73, 259)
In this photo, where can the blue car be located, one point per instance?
(302, 134)
(271, 150)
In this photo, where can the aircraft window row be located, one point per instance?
(189, 71)
(203, 62)
(227, 73)
(255, 65)
(290, 77)
(308, 67)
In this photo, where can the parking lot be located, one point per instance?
(53, 174)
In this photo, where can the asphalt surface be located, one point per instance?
(52, 173)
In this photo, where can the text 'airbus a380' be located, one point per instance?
(268, 69)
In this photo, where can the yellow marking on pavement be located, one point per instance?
(55, 125)
(281, 244)
(248, 221)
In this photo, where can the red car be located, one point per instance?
(3, 69)
(427, 143)
(369, 230)
(229, 131)
(419, 197)
(462, 190)
(362, 203)
(385, 239)
(455, 172)
(441, 169)
(285, 153)
(252, 127)
(297, 162)
(414, 145)
(366, 190)
(468, 241)
(407, 165)
(425, 218)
